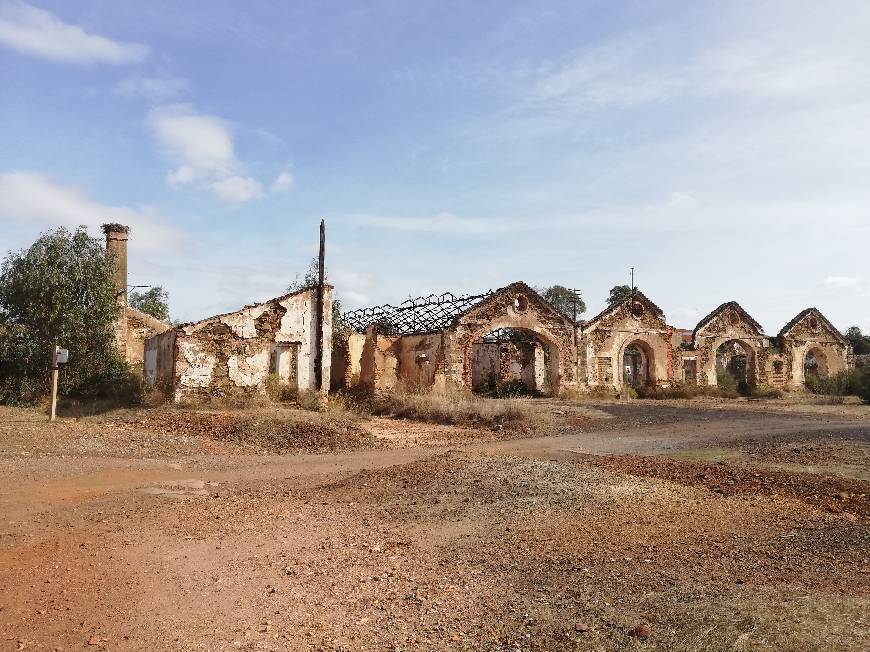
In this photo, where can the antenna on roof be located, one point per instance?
(632, 281)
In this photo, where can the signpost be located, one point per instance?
(58, 357)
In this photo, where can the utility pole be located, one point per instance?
(575, 296)
(54, 351)
(321, 281)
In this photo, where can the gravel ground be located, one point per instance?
(603, 538)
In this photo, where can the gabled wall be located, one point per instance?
(234, 353)
(811, 331)
(605, 338)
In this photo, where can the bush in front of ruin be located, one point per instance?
(848, 382)
(60, 291)
(457, 406)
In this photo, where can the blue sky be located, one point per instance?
(722, 148)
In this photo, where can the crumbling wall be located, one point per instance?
(234, 353)
(485, 363)
(809, 332)
(353, 369)
(140, 326)
(499, 362)
(516, 306)
(418, 359)
(637, 323)
(730, 322)
(159, 359)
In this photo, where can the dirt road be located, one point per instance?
(585, 540)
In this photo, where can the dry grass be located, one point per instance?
(459, 407)
(275, 431)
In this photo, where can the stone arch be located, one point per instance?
(815, 362)
(740, 361)
(642, 364)
(708, 354)
(554, 367)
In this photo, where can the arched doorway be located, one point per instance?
(815, 363)
(510, 361)
(735, 366)
(637, 365)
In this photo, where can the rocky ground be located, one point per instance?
(639, 526)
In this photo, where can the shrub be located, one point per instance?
(727, 384)
(766, 391)
(678, 390)
(514, 389)
(309, 400)
(849, 382)
(278, 390)
(456, 406)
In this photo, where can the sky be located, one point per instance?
(722, 149)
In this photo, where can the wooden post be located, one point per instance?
(321, 281)
(53, 415)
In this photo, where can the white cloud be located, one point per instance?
(202, 147)
(34, 198)
(284, 182)
(840, 282)
(157, 88)
(200, 144)
(237, 189)
(682, 200)
(352, 288)
(37, 32)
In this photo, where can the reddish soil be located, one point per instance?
(123, 537)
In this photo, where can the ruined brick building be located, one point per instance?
(236, 352)
(232, 353)
(512, 335)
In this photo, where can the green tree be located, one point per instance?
(308, 279)
(618, 293)
(860, 342)
(60, 290)
(154, 302)
(563, 299)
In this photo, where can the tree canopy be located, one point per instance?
(58, 291)
(563, 299)
(860, 342)
(154, 302)
(618, 293)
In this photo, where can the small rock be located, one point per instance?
(641, 631)
(94, 640)
(581, 627)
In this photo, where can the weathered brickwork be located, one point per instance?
(629, 343)
(447, 357)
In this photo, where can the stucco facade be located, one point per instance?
(234, 353)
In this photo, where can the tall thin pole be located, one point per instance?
(321, 281)
(53, 414)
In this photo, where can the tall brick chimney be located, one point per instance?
(116, 253)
